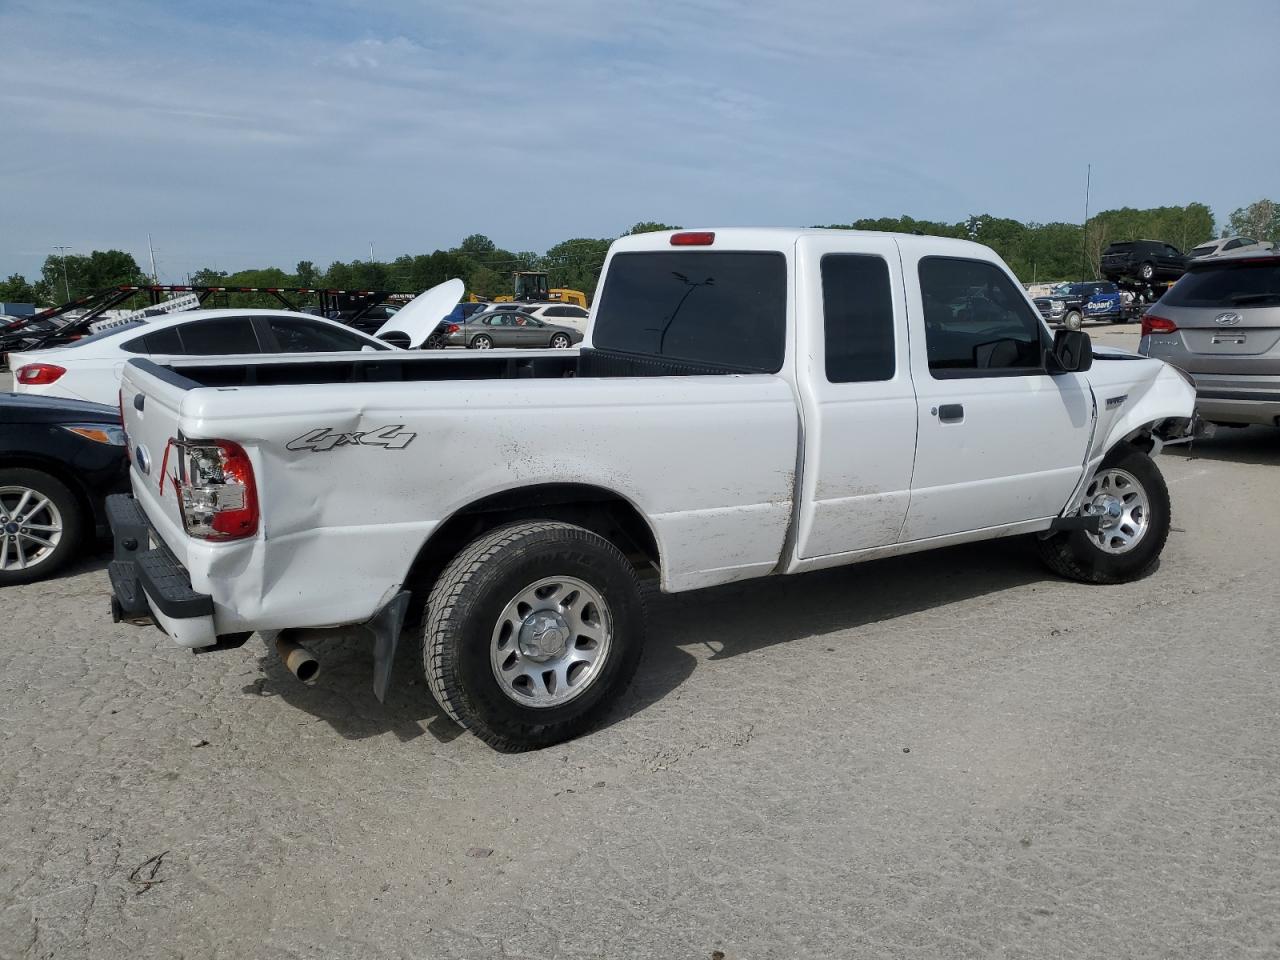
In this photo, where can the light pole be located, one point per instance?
(66, 286)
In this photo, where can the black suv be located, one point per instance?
(1145, 260)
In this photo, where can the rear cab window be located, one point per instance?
(722, 308)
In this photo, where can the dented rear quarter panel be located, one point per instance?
(708, 460)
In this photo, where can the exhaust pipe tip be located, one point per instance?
(297, 659)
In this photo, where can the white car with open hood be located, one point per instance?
(747, 402)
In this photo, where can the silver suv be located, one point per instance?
(1221, 323)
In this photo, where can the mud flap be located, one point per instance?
(385, 625)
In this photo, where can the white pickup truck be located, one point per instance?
(747, 402)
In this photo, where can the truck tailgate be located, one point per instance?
(151, 409)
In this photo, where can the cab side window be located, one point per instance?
(857, 313)
(977, 321)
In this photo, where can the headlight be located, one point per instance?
(97, 432)
(1057, 306)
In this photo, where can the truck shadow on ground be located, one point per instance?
(342, 695)
(724, 621)
(744, 617)
(1255, 445)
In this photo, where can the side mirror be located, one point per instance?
(1072, 352)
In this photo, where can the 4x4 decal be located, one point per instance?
(393, 437)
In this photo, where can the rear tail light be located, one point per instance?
(703, 238)
(40, 374)
(452, 328)
(216, 489)
(1154, 324)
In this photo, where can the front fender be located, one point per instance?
(1128, 410)
(1133, 395)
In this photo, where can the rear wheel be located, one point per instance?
(40, 525)
(560, 341)
(1147, 271)
(482, 342)
(532, 632)
(1130, 496)
(1073, 320)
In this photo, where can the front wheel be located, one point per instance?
(532, 632)
(1147, 272)
(40, 525)
(1073, 320)
(1130, 496)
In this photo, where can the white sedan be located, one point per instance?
(89, 369)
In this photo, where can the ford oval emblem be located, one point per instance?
(142, 459)
(1228, 319)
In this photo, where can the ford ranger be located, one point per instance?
(747, 402)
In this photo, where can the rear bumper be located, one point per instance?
(1239, 408)
(1238, 399)
(148, 584)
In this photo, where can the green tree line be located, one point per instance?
(1034, 251)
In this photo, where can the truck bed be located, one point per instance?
(411, 366)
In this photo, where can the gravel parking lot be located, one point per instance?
(947, 755)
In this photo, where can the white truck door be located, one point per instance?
(859, 404)
(1000, 441)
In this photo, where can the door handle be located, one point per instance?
(950, 412)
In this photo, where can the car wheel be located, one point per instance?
(1073, 320)
(482, 342)
(40, 525)
(434, 342)
(560, 341)
(1130, 495)
(1147, 271)
(532, 632)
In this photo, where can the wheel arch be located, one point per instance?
(599, 509)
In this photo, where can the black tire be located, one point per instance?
(1147, 272)
(1073, 320)
(70, 517)
(482, 342)
(1077, 556)
(465, 610)
(561, 341)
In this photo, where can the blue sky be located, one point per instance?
(249, 134)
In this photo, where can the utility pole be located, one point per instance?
(371, 251)
(1084, 228)
(152, 250)
(62, 255)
